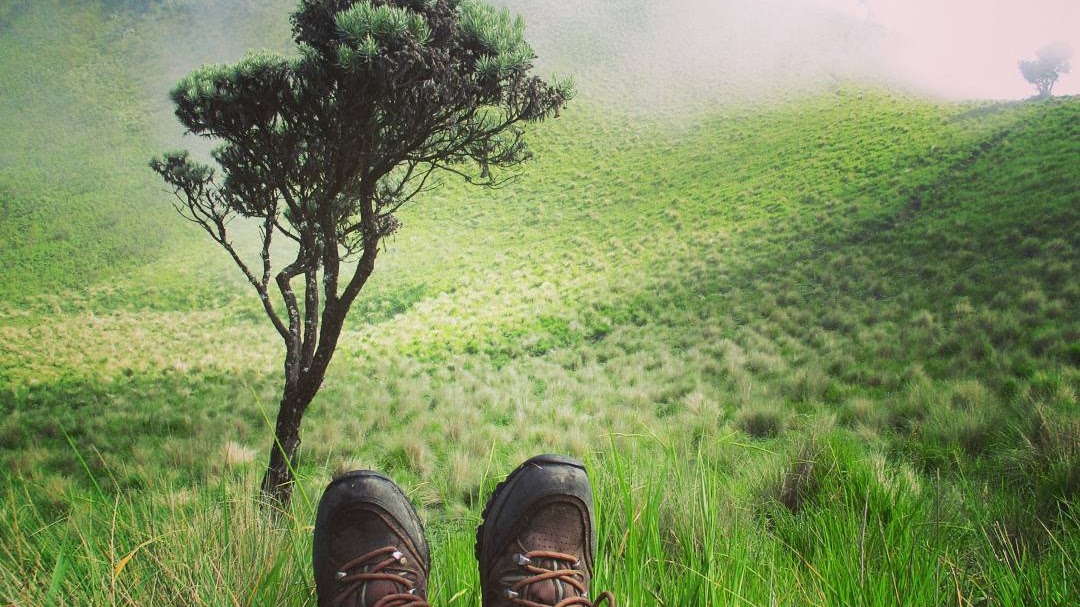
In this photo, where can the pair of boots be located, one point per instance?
(535, 546)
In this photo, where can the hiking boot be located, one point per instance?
(536, 544)
(369, 548)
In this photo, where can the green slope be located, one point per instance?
(871, 283)
(83, 108)
(879, 285)
(847, 243)
(72, 184)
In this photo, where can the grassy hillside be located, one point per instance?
(848, 306)
(84, 107)
(819, 352)
(72, 188)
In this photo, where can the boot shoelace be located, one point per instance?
(570, 575)
(387, 565)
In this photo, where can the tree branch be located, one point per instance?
(292, 336)
(201, 210)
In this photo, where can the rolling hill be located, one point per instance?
(769, 329)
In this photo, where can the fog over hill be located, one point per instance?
(644, 52)
(747, 49)
(648, 51)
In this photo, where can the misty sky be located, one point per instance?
(960, 49)
(969, 48)
(657, 51)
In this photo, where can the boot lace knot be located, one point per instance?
(383, 565)
(564, 568)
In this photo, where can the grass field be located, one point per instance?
(820, 351)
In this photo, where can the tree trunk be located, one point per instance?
(277, 484)
(305, 368)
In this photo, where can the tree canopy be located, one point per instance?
(1051, 61)
(323, 147)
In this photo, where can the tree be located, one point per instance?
(319, 150)
(1051, 61)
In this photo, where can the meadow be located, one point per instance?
(823, 350)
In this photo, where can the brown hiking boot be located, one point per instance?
(369, 548)
(536, 544)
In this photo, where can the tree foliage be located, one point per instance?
(1051, 61)
(323, 147)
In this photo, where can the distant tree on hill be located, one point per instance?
(1051, 61)
(321, 149)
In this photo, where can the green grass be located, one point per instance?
(679, 532)
(72, 193)
(84, 109)
(822, 351)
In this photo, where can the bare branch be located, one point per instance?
(292, 335)
(490, 182)
(285, 231)
(197, 206)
